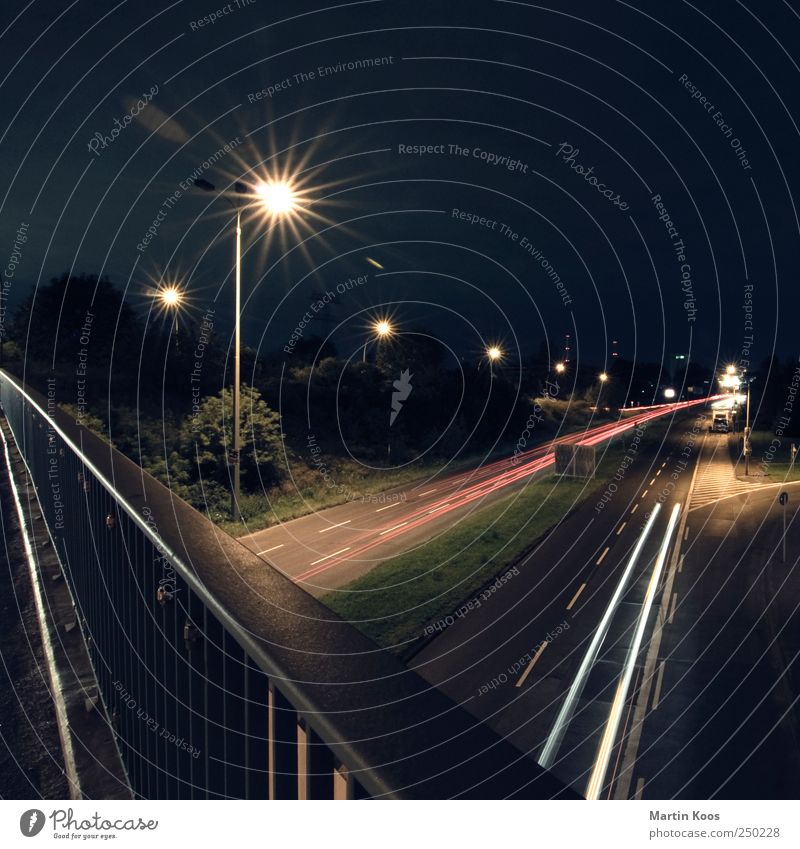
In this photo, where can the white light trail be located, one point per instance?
(598, 776)
(565, 714)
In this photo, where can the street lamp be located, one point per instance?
(602, 377)
(382, 328)
(560, 368)
(171, 297)
(277, 198)
(494, 353)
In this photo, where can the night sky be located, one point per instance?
(550, 135)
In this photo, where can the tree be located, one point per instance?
(206, 440)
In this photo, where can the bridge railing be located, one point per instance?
(221, 677)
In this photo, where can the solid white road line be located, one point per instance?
(328, 556)
(530, 666)
(389, 506)
(550, 748)
(338, 525)
(388, 530)
(581, 588)
(659, 682)
(598, 776)
(267, 550)
(602, 556)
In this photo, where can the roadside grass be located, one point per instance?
(395, 601)
(308, 491)
(777, 467)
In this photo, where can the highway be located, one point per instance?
(330, 548)
(648, 649)
(543, 661)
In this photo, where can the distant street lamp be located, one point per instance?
(277, 198)
(170, 296)
(381, 329)
(602, 377)
(669, 393)
(560, 368)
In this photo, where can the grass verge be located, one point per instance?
(394, 602)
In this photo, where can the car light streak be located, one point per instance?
(505, 473)
(553, 741)
(598, 776)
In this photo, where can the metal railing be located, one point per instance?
(220, 676)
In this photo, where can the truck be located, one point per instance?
(720, 421)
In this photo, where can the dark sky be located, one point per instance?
(696, 103)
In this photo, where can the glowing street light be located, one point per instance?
(602, 377)
(381, 329)
(560, 368)
(494, 353)
(170, 297)
(730, 370)
(278, 199)
(669, 393)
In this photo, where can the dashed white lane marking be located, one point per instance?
(338, 525)
(639, 789)
(267, 550)
(389, 506)
(428, 491)
(686, 534)
(672, 608)
(440, 507)
(657, 473)
(401, 525)
(328, 556)
(530, 666)
(659, 682)
(652, 482)
(645, 493)
(635, 508)
(680, 563)
(575, 597)
(663, 464)
(602, 556)
(621, 528)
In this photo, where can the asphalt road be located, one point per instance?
(330, 548)
(711, 704)
(492, 660)
(721, 716)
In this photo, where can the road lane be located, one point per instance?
(330, 548)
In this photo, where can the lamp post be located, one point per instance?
(381, 329)
(747, 447)
(277, 198)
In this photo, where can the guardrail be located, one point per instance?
(221, 677)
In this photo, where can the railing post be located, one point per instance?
(282, 741)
